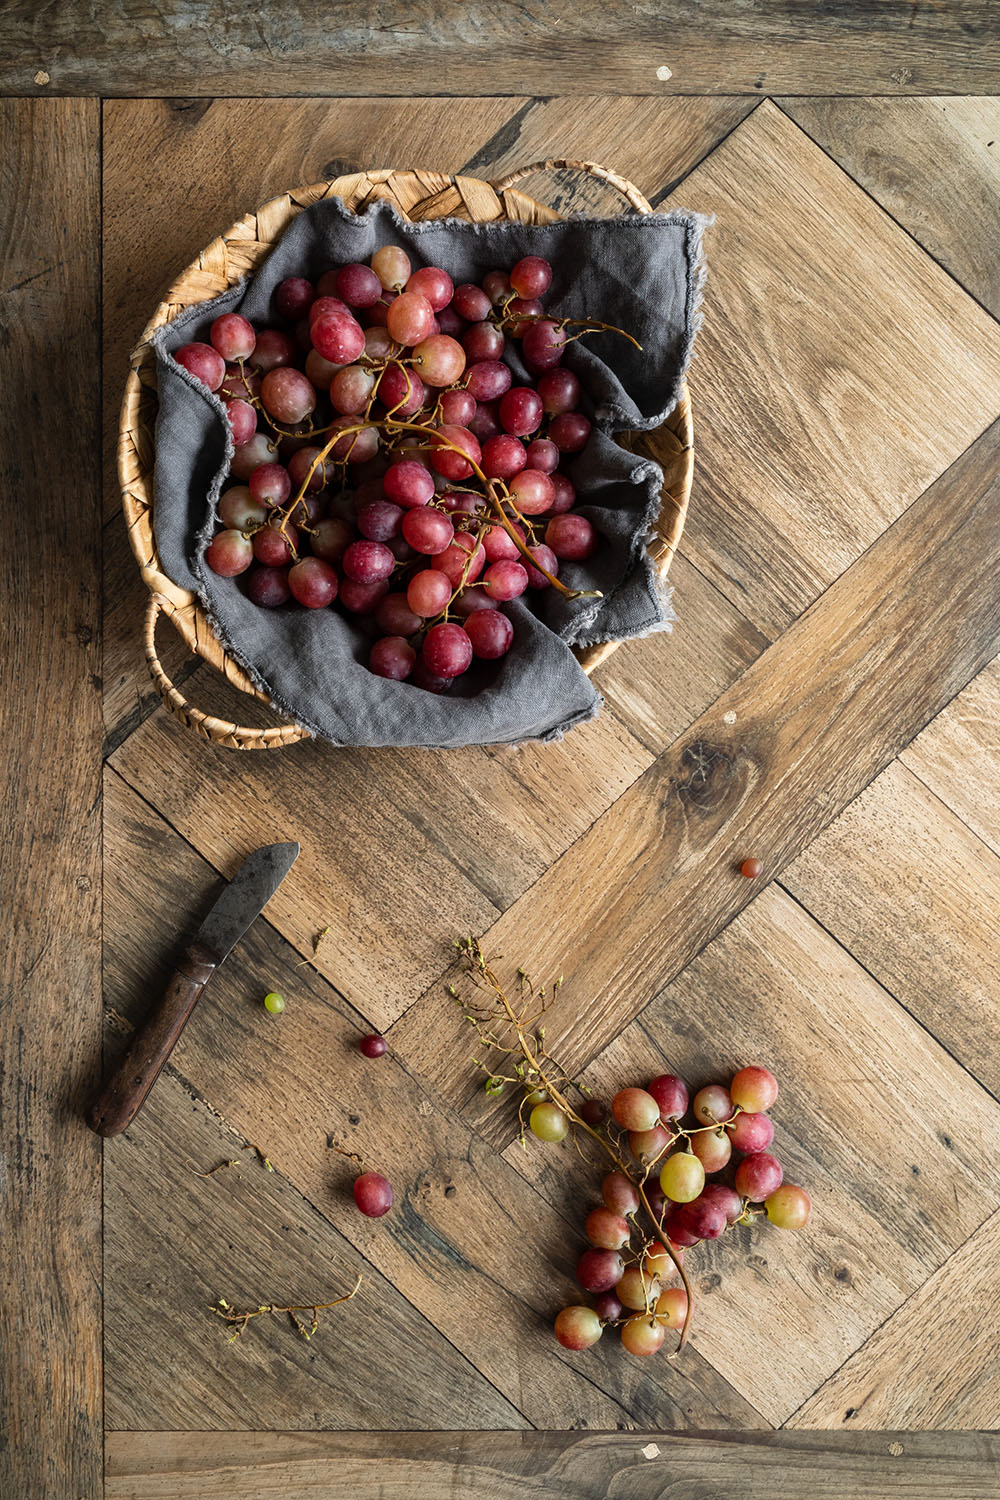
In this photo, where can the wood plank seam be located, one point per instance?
(658, 199)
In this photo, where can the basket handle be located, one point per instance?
(627, 189)
(220, 731)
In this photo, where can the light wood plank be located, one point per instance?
(50, 1246)
(958, 756)
(839, 371)
(469, 1243)
(580, 47)
(900, 1377)
(342, 1466)
(931, 163)
(902, 883)
(767, 767)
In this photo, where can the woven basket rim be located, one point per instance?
(225, 260)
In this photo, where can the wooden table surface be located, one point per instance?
(829, 700)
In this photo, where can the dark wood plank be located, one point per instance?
(50, 1247)
(582, 47)
(891, 1137)
(644, 1465)
(768, 766)
(469, 1242)
(934, 164)
(839, 371)
(915, 895)
(956, 1308)
(177, 1242)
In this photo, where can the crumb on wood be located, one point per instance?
(651, 1451)
(663, 73)
(41, 77)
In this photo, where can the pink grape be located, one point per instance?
(401, 392)
(447, 650)
(461, 503)
(754, 1089)
(503, 456)
(242, 420)
(521, 411)
(392, 657)
(457, 408)
(394, 616)
(569, 431)
(351, 389)
(578, 1328)
(274, 548)
(233, 336)
(497, 544)
(451, 465)
(542, 455)
(367, 562)
(229, 553)
(559, 390)
(313, 582)
(268, 587)
(599, 1270)
(643, 1335)
(531, 277)
(204, 363)
(326, 306)
(427, 531)
(293, 297)
(758, 1176)
(272, 349)
(788, 1207)
(483, 342)
(238, 509)
(438, 359)
(359, 286)
(434, 284)
(723, 1197)
(712, 1105)
(357, 447)
(361, 598)
(331, 538)
(571, 537)
(408, 484)
(505, 580)
(471, 302)
(606, 1230)
(453, 561)
(287, 394)
(488, 379)
(658, 1262)
(428, 592)
(564, 495)
(543, 345)
(338, 338)
(410, 318)
(545, 558)
(648, 1143)
(380, 520)
(634, 1109)
(490, 632)
(271, 484)
(607, 1307)
(378, 344)
(496, 285)
(392, 266)
(671, 1094)
(752, 1133)
(473, 601)
(532, 492)
(712, 1149)
(671, 1307)
(373, 1194)
(249, 456)
(620, 1193)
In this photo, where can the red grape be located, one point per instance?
(607, 1307)
(634, 1109)
(578, 1328)
(271, 484)
(505, 580)
(327, 306)
(545, 558)
(394, 615)
(564, 496)
(531, 277)
(229, 553)
(648, 1143)
(287, 394)
(599, 1270)
(238, 509)
(483, 342)
(454, 560)
(410, 318)
(496, 285)
(359, 286)
(754, 1089)
(457, 408)
(238, 382)
(438, 359)
(271, 350)
(392, 657)
(607, 1230)
(502, 456)
(294, 297)
(559, 390)
(498, 544)
(356, 447)
(569, 431)
(712, 1105)
(671, 1094)
(428, 592)
(268, 587)
(361, 598)
(373, 1045)
(242, 420)
(725, 1198)
(313, 582)
(704, 1217)
(233, 336)
(758, 1176)
(488, 379)
(532, 492)
(331, 538)
(620, 1193)
(275, 548)
(380, 520)
(373, 1194)
(367, 562)
(672, 1306)
(712, 1149)
(751, 868)
(485, 424)
(203, 362)
(408, 483)
(752, 1133)
(674, 1224)
(401, 392)
(521, 412)
(351, 389)
(472, 601)
(529, 308)
(447, 650)
(471, 302)
(571, 537)
(249, 456)
(542, 455)
(434, 284)
(454, 466)
(299, 465)
(338, 338)
(491, 634)
(543, 345)
(427, 531)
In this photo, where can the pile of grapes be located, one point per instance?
(386, 460)
(640, 1233)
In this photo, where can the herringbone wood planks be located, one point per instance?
(842, 385)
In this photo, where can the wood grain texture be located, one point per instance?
(902, 883)
(934, 164)
(469, 1243)
(50, 1247)
(177, 1242)
(796, 1466)
(765, 769)
(890, 1136)
(425, 48)
(898, 1379)
(839, 371)
(958, 756)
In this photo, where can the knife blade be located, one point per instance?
(233, 913)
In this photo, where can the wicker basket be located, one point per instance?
(417, 195)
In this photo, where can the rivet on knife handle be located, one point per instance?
(120, 1099)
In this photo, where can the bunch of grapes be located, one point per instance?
(660, 1202)
(385, 459)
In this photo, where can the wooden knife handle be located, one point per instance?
(121, 1098)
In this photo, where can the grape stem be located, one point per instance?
(238, 1321)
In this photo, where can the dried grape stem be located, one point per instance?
(238, 1321)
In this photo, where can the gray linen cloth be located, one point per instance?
(642, 273)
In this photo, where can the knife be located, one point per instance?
(236, 909)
